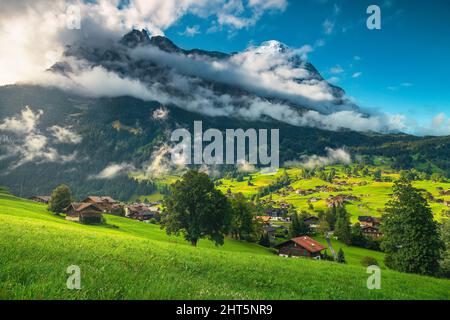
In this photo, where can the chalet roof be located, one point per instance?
(100, 199)
(305, 242)
(78, 207)
(74, 205)
(311, 219)
(366, 218)
(84, 206)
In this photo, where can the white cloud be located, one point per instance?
(35, 32)
(334, 156)
(336, 70)
(400, 86)
(114, 170)
(25, 124)
(334, 80)
(255, 70)
(191, 31)
(65, 135)
(160, 114)
(438, 126)
(266, 71)
(356, 75)
(328, 26)
(31, 144)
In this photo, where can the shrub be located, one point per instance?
(369, 261)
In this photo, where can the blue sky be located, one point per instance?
(402, 68)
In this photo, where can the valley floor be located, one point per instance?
(126, 259)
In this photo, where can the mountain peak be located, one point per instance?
(272, 46)
(164, 44)
(135, 38)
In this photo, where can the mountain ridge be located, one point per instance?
(75, 137)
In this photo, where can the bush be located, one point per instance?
(369, 261)
(153, 221)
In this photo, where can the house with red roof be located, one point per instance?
(301, 247)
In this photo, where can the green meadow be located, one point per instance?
(126, 259)
(372, 195)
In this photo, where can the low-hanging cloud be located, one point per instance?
(30, 144)
(266, 72)
(114, 170)
(270, 70)
(65, 135)
(334, 156)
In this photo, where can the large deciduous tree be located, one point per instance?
(411, 237)
(195, 209)
(60, 199)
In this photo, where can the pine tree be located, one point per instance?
(342, 228)
(298, 226)
(341, 256)
(411, 238)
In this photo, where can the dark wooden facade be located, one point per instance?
(86, 213)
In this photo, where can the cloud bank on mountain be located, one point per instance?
(278, 80)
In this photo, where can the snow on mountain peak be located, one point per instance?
(272, 46)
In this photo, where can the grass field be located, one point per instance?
(126, 259)
(373, 195)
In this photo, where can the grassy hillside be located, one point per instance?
(131, 260)
(372, 195)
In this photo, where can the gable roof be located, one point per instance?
(78, 207)
(100, 199)
(84, 206)
(368, 219)
(305, 242)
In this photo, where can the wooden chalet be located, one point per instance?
(301, 247)
(312, 222)
(368, 221)
(106, 204)
(41, 199)
(276, 212)
(373, 232)
(142, 212)
(86, 213)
